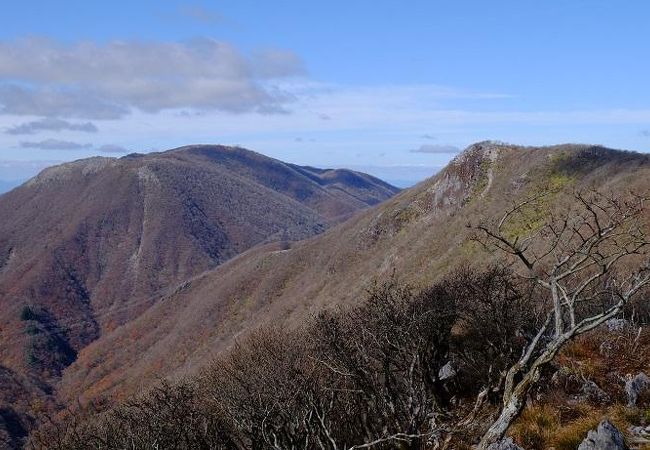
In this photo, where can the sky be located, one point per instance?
(393, 88)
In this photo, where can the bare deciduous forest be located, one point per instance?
(459, 362)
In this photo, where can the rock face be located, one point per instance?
(641, 435)
(606, 437)
(447, 371)
(592, 392)
(617, 324)
(504, 444)
(635, 386)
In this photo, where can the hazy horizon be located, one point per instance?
(391, 89)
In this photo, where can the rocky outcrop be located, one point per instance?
(635, 386)
(617, 324)
(592, 392)
(605, 437)
(447, 371)
(639, 435)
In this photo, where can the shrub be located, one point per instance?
(496, 314)
(345, 378)
(28, 313)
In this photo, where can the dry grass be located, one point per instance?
(541, 426)
(535, 427)
(561, 422)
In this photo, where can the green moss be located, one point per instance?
(529, 219)
(550, 182)
(555, 177)
(558, 181)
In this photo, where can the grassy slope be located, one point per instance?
(420, 235)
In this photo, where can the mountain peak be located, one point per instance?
(86, 166)
(85, 238)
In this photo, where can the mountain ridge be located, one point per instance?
(420, 234)
(87, 246)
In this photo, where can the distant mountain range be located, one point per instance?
(88, 246)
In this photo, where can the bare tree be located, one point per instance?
(589, 262)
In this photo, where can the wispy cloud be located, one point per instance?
(50, 124)
(276, 63)
(201, 14)
(48, 101)
(54, 144)
(112, 148)
(92, 80)
(645, 133)
(425, 105)
(436, 149)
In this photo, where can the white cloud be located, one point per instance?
(436, 149)
(48, 101)
(112, 148)
(44, 77)
(54, 144)
(49, 124)
(345, 121)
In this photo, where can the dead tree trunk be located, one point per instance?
(576, 258)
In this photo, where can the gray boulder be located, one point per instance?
(591, 391)
(605, 437)
(640, 432)
(617, 324)
(447, 371)
(504, 444)
(635, 386)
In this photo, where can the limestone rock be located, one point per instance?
(605, 437)
(592, 392)
(635, 386)
(447, 371)
(617, 324)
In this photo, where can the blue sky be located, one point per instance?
(393, 88)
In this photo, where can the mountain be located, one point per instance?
(88, 246)
(176, 326)
(420, 234)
